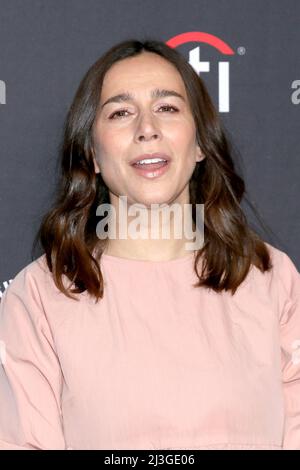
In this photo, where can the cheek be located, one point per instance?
(109, 155)
(104, 149)
(111, 142)
(181, 132)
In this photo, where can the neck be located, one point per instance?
(162, 232)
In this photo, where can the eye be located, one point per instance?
(112, 116)
(169, 107)
(118, 113)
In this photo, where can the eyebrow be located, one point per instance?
(156, 93)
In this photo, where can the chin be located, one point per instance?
(154, 200)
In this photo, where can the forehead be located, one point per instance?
(147, 70)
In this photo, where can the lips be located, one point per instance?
(150, 155)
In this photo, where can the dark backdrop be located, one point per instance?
(46, 46)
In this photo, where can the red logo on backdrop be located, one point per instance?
(200, 66)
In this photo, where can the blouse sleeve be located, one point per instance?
(30, 373)
(289, 292)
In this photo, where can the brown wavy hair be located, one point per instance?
(67, 232)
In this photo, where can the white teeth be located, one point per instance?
(150, 160)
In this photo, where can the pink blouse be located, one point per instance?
(156, 364)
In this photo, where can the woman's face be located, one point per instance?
(127, 129)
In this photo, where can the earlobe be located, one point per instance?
(200, 157)
(96, 166)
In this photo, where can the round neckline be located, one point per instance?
(118, 259)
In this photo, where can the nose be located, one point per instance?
(147, 128)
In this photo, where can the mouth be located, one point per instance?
(151, 165)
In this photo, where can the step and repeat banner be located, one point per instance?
(247, 52)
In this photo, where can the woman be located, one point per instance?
(133, 342)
